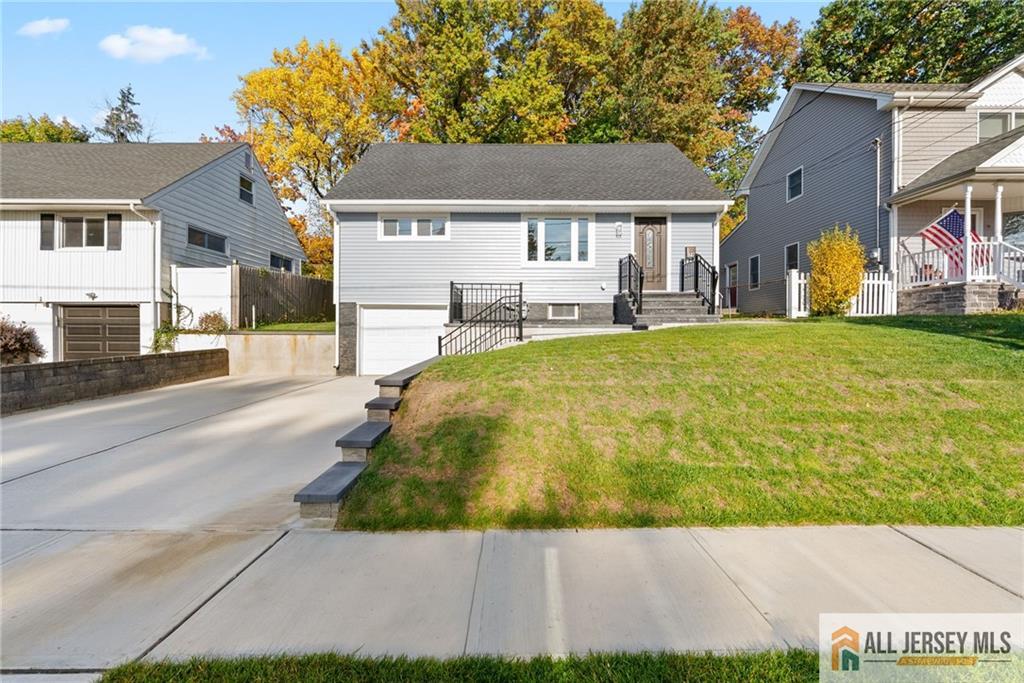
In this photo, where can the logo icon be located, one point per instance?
(845, 649)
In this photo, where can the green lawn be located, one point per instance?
(867, 421)
(795, 665)
(324, 326)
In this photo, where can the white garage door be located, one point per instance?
(395, 338)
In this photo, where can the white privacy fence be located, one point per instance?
(200, 290)
(877, 295)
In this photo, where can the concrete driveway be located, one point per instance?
(122, 516)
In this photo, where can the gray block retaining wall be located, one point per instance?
(41, 385)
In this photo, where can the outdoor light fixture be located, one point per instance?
(91, 295)
(618, 228)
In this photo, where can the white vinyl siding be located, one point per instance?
(30, 274)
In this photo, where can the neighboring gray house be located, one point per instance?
(419, 228)
(881, 157)
(88, 233)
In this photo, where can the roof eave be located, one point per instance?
(19, 201)
(372, 205)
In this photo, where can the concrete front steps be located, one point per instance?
(662, 308)
(322, 497)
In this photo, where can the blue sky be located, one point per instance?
(184, 59)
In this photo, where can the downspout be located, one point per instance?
(878, 195)
(155, 249)
(336, 283)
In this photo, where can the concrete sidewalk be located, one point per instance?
(505, 592)
(531, 592)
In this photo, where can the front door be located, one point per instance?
(651, 241)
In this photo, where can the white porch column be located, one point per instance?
(998, 225)
(968, 189)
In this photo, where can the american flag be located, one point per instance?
(947, 233)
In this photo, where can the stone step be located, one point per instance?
(321, 497)
(381, 409)
(356, 444)
(664, 319)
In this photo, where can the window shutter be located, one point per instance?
(113, 232)
(46, 231)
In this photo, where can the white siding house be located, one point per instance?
(410, 220)
(88, 233)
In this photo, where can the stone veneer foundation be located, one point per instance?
(957, 298)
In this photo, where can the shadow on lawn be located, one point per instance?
(999, 329)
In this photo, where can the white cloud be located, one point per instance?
(41, 27)
(149, 44)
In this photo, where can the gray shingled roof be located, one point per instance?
(900, 87)
(99, 171)
(962, 163)
(609, 172)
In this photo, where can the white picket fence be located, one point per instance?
(877, 295)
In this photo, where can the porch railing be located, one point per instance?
(631, 282)
(991, 261)
(699, 276)
(496, 323)
(466, 299)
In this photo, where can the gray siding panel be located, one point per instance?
(209, 200)
(931, 135)
(488, 247)
(831, 138)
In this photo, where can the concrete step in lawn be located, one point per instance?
(322, 496)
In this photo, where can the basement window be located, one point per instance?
(563, 311)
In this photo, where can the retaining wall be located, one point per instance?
(41, 385)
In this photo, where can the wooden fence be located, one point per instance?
(237, 292)
(877, 295)
(274, 296)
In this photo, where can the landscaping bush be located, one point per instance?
(213, 322)
(837, 267)
(18, 342)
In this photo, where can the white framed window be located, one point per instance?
(795, 184)
(563, 311)
(754, 272)
(792, 257)
(204, 239)
(245, 189)
(412, 227)
(85, 231)
(994, 123)
(558, 240)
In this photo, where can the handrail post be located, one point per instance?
(519, 311)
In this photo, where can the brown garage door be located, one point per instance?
(98, 331)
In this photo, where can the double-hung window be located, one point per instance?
(413, 227)
(559, 239)
(795, 184)
(755, 272)
(245, 189)
(793, 256)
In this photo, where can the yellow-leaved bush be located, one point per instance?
(837, 267)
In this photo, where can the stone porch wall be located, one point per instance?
(950, 299)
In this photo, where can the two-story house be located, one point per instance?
(88, 233)
(889, 159)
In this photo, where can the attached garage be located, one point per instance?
(393, 337)
(99, 331)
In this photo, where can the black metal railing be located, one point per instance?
(631, 282)
(492, 323)
(699, 276)
(466, 299)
